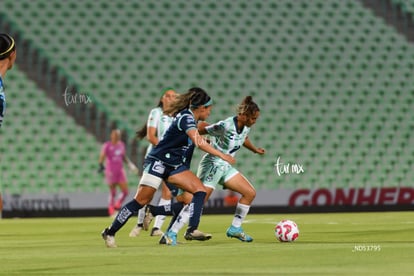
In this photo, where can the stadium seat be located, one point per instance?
(330, 77)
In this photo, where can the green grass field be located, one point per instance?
(329, 244)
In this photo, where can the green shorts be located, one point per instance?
(213, 171)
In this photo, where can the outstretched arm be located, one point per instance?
(249, 145)
(202, 144)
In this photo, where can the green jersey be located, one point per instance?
(227, 138)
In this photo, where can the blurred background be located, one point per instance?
(333, 78)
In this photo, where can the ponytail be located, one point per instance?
(248, 106)
(194, 98)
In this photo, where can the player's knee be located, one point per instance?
(144, 194)
(166, 194)
(201, 188)
(250, 194)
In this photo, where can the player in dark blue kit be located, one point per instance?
(7, 59)
(169, 161)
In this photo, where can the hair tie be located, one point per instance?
(5, 53)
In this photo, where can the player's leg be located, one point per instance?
(123, 186)
(111, 199)
(171, 209)
(188, 181)
(240, 184)
(159, 220)
(182, 219)
(140, 224)
(146, 190)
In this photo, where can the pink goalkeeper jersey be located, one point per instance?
(114, 156)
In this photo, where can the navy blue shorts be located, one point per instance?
(160, 169)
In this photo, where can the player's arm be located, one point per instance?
(101, 160)
(152, 135)
(152, 123)
(202, 144)
(131, 165)
(249, 145)
(201, 126)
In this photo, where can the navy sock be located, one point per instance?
(166, 210)
(130, 209)
(196, 208)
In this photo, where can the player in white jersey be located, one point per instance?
(157, 123)
(229, 136)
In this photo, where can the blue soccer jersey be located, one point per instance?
(176, 148)
(2, 101)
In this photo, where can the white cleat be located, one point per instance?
(109, 240)
(135, 231)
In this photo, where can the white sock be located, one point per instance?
(141, 215)
(159, 220)
(182, 219)
(240, 214)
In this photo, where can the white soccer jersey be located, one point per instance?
(228, 139)
(160, 121)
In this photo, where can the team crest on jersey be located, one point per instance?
(158, 167)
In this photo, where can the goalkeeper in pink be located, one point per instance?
(114, 153)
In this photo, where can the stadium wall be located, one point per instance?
(267, 201)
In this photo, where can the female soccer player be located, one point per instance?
(7, 59)
(157, 123)
(114, 153)
(229, 135)
(169, 161)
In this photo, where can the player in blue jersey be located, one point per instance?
(169, 161)
(7, 59)
(229, 136)
(157, 124)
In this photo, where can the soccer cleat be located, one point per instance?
(109, 240)
(162, 240)
(135, 231)
(148, 218)
(237, 232)
(170, 238)
(197, 235)
(156, 232)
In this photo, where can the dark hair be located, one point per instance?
(194, 98)
(142, 132)
(7, 46)
(248, 107)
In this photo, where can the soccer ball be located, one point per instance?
(286, 231)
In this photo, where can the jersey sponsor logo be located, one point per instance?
(158, 167)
